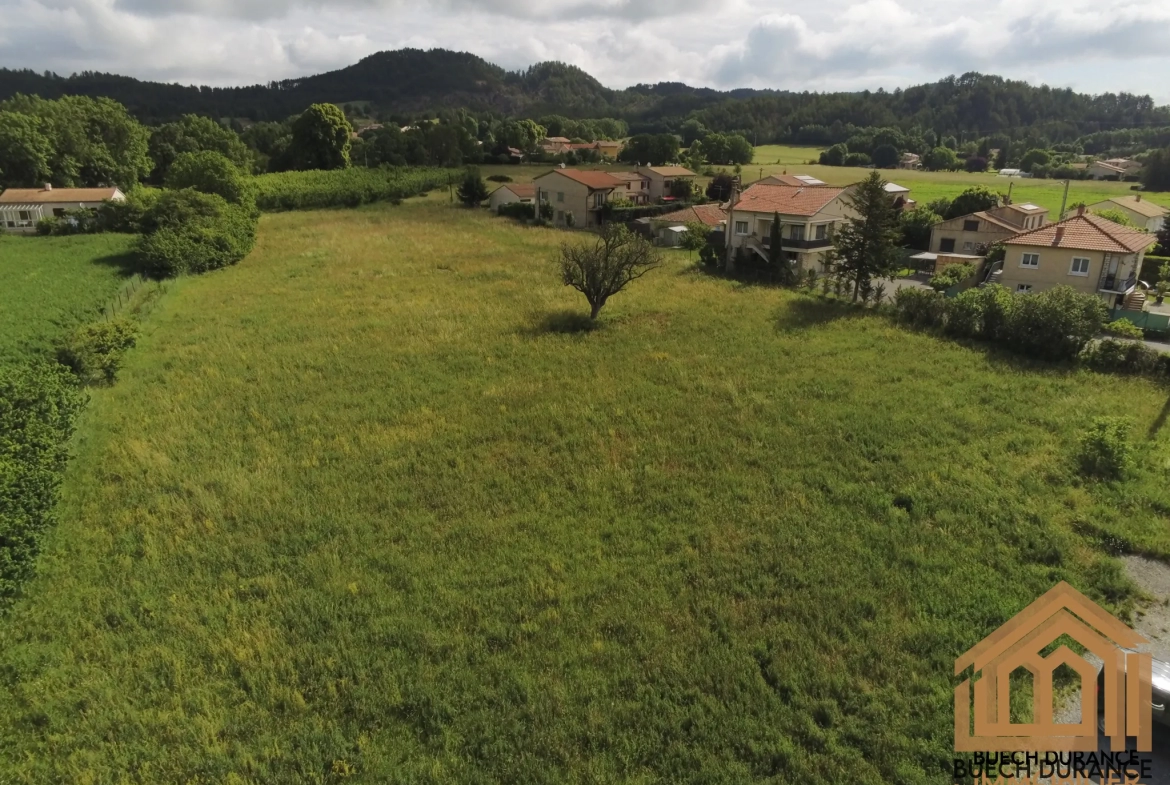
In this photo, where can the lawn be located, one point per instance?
(364, 508)
(50, 284)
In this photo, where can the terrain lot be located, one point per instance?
(49, 284)
(365, 508)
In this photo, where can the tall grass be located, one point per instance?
(367, 508)
(345, 187)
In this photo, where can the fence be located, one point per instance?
(1152, 322)
(121, 300)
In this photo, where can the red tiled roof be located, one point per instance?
(597, 181)
(787, 199)
(1136, 203)
(709, 214)
(632, 177)
(1086, 232)
(523, 190)
(782, 179)
(672, 171)
(56, 195)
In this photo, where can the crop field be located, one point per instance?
(347, 187)
(49, 284)
(370, 507)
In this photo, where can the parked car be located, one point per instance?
(1161, 694)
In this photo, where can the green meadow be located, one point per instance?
(368, 507)
(51, 284)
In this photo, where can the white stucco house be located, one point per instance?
(21, 208)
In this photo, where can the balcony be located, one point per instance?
(1113, 283)
(789, 244)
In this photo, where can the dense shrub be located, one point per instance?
(191, 232)
(920, 306)
(1125, 357)
(1105, 449)
(81, 221)
(345, 187)
(210, 173)
(37, 408)
(1055, 324)
(952, 275)
(521, 211)
(94, 351)
(1124, 328)
(500, 178)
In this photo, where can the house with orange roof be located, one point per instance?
(809, 217)
(666, 228)
(1144, 213)
(577, 196)
(637, 187)
(663, 178)
(22, 208)
(968, 233)
(1087, 252)
(512, 192)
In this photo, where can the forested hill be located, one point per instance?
(411, 82)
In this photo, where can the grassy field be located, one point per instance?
(925, 186)
(363, 509)
(50, 284)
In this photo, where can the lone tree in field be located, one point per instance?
(603, 268)
(473, 190)
(867, 247)
(320, 139)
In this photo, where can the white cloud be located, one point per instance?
(833, 44)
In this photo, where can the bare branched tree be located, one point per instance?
(601, 269)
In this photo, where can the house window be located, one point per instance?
(560, 196)
(822, 231)
(970, 226)
(968, 246)
(599, 200)
(946, 246)
(1080, 266)
(667, 184)
(25, 215)
(1024, 288)
(58, 212)
(1031, 261)
(796, 233)
(741, 227)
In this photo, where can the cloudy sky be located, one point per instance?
(1090, 45)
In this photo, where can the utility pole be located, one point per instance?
(1064, 201)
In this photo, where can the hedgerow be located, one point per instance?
(346, 187)
(38, 404)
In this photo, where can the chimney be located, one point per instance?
(1059, 236)
(1081, 210)
(1139, 197)
(48, 186)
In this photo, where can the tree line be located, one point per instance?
(405, 85)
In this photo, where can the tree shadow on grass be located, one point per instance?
(805, 312)
(126, 263)
(561, 322)
(1160, 420)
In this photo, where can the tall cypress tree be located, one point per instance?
(867, 246)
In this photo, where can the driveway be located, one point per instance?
(1154, 623)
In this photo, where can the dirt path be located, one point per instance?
(1153, 621)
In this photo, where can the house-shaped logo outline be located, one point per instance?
(1019, 643)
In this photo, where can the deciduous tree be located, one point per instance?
(320, 139)
(601, 269)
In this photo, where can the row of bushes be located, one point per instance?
(38, 404)
(345, 187)
(1056, 324)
